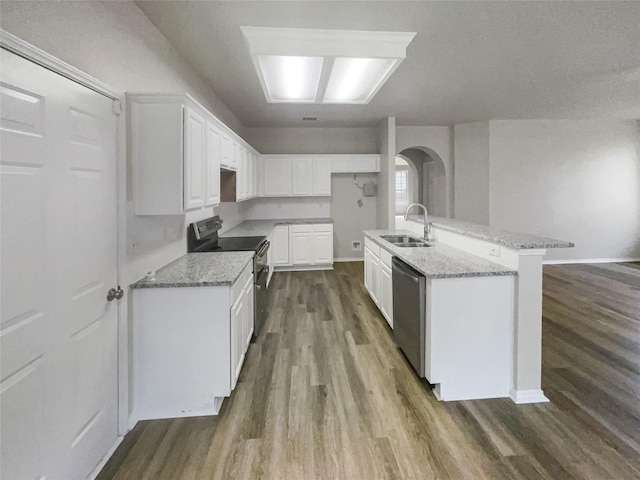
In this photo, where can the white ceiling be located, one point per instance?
(470, 60)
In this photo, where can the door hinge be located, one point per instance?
(117, 107)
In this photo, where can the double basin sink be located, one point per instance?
(405, 241)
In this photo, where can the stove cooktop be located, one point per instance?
(230, 244)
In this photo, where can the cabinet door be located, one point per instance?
(277, 176)
(249, 317)
(250, 174)
(280, 246)
(300, 244)
(323, 244)
(366, 163)
(213, 148)
(226, 150)
(194, 159)
(321, 176)
(367, 269)
(341, 164)
(235, 156)
(301, 175)
(255, 175)
(238, 314)
(243, 174)
(386, 293)
(375, 279)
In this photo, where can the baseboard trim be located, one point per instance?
(348, 259)
(105, 459)
(592, 260)
(301, 268)
(528, 396)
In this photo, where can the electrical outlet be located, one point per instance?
(356, 246)
(494, 251)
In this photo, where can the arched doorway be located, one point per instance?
(430, 180)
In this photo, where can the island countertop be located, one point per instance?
(439, 261)
(507, 238)
(265, 227)
(206, 269)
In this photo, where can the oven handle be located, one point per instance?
(263, 249)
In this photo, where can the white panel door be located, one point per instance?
(214, 150)
(277, 176)
(256, 174)
(194, 159)
(58, 251)
(301, 175)
(321, 177)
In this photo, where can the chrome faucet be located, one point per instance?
(428, 233)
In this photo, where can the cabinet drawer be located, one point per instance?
(300, 228)
(323, 228)
(385, 257)
(372, 246)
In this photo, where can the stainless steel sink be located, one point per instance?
(400, 238)
(405, 241)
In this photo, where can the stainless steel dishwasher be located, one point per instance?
(409, 313)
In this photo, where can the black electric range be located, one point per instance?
(203, 237)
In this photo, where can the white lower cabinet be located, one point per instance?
(189, 345)
(378, 278)
(302, 245)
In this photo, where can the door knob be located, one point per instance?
(114, 294)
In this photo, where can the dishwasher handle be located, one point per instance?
(405, 270)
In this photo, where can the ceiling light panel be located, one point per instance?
(297, 65)
(356, 80)
(290, 78)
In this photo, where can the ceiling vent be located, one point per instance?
(297, 65)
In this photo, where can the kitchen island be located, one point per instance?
(464, 249)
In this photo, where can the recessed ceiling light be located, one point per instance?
(324, 66)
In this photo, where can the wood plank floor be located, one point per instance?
(325, 394)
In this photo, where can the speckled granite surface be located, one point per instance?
(439, 261)
(250, 228)
(200, 270)
(494, 235)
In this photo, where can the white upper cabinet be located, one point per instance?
(355, 163)
(175, 169)
(277, 176)
(194, 159)
(321, 176)
(235, 156)
(301, 174)
(212, 165)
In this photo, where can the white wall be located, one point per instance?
(437, 142)
(576, 180)
(272, 208)
(116, 43)
(312, 140)
(350, 218)
(471, 143)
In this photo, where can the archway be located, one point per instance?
(430, 185)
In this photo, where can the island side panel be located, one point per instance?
(469, 320)
(181, 351)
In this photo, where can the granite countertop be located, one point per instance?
(439, 261)
(250, 228)
(494, 235)
(208, 269)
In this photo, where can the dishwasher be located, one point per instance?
(409, 318)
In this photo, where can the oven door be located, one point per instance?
(261, 273)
